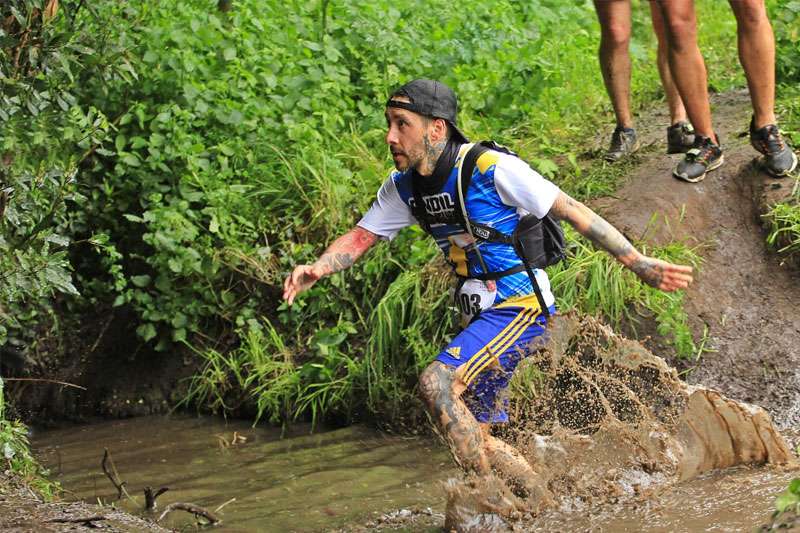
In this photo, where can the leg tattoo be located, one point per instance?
(461, 430)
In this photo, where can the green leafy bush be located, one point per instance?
(181, 161)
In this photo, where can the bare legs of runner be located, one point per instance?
(470, 441)
(615, 65)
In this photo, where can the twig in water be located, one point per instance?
(189, 508)
(118, 484)
(150, 498)
(224, 504)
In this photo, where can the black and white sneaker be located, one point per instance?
(779, 158)
(623, 143)
(704, 157)
(680, 137)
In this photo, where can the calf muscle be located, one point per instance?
(461, 430)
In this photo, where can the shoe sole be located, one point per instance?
(786, 173)
(702, 176)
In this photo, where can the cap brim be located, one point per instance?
(457, 134)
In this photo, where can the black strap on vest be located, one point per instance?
(492, 235)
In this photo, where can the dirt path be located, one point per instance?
(749, 301)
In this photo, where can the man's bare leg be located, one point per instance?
(615, 61)
(441, 389)
(677, 112)
(686, 63)
(757, 55)
(515, 469)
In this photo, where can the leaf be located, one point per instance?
(179, 335)
(229, 54)
(141, 281)
(130, 159)
(785, 500)
(179, 321)
(146, 331)
(57, 239)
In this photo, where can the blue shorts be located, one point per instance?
(491, 347)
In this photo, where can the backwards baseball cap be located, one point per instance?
(430, 98)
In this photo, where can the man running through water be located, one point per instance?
(461, 386)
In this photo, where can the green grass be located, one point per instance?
(593, 282)
(784, 219)
(15, 454)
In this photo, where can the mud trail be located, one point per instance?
(747, 298)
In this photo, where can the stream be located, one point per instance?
(346, 478)
(301, 482)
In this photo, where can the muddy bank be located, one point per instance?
(746, 296)
(21, 510)
(116, 374)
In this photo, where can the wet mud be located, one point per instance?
(746, 296)
(21, 510)
(609, 419)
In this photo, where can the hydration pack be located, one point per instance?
(539, 242)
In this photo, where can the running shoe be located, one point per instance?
(680, 137)
(623, 143)
(704, 157)
(779, 158)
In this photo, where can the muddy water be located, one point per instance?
(736, 499)
(302, 482)
(343, 478)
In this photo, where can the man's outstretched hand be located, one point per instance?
(301, 279)
(661, 274)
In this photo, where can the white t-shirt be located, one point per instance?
(516, 182)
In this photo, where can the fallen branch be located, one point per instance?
(150, 498)
(45, 381)
(114, 478)
(189, 508)
(88, 520)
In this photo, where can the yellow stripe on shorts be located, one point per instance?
(500, 343)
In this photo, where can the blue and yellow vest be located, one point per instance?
(485, 207)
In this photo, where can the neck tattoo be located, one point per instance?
(432, 153)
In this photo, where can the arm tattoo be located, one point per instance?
(461, 430)
(345, 250)
(650, 273)
(592, 226)
(607, 237)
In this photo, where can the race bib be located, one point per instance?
(472, 297)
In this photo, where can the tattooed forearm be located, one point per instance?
(593, 227)
(649, 271)
(460, 428)
(607, 237)
(345, 250)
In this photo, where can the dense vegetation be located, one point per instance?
(177, 160)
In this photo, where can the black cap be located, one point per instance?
(430, 98)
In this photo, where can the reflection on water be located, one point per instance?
(303, 482)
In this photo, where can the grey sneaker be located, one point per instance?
(704, 157)
(779, 159)
(623, 143)
(680, 137)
